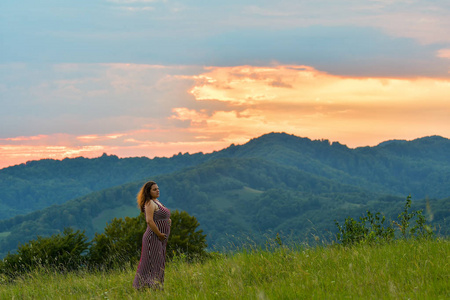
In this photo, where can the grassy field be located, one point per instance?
(400, 270)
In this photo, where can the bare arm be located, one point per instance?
(149, 210)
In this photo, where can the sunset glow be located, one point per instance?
(156, 78)
(306, 102)
(256, 100)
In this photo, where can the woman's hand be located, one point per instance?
(162, 237)
(170, 222)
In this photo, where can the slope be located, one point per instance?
(420, 167)
(231, 197)
(38, 184)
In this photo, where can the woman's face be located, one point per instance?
(154, 191)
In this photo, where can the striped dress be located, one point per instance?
(150, 272)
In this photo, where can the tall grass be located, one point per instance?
(403, 269)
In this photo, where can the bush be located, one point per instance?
(63, 252)
(353, 232)
(185, 238)
(420, 230)
(121, 242)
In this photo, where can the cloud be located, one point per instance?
(365, 38)
(444, 53)
(137, 9)
(151, 144)
(23, 139)
(13, 155)
(423, 21)
(67, 110)
(132, 76)
(316, 104)
(131, 1)
(81, 98)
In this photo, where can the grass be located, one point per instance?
(399, 270)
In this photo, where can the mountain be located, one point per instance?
(420, 167)
(38, 184)
(274, 183)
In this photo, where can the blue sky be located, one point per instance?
(149, 77)
(381, 38)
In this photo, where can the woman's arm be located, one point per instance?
(149, 210)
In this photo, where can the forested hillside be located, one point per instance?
(38, 184)
(277, 183)
(420, 167)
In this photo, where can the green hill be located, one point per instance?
(275, 183)
(420, 167)
(38, 184)
(231, 198)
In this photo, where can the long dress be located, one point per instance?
(150, 272)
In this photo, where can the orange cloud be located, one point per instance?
(96, 137)
(225, 105)
(143, 142)
(17, 154)
(307, 102)
(300, 84)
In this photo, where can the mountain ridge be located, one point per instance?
(38, 184)
(309, 177)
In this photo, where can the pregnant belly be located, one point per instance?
(163, 226)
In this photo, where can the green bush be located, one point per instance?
(371, 228)
(354, 232)
(119, 246)
(420, 229)
(185, 238)
(64, 252)
(120, 243)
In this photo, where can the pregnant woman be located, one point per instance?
(150, 272)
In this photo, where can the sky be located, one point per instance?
(159, 77)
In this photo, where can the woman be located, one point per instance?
(150, 272)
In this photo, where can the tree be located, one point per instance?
(121, 242)
(185, 238)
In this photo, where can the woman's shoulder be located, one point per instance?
(150, 204)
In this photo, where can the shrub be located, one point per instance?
(420, 230)
(356, 232)
(121, 242)
(185, 238)
(63, 252)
